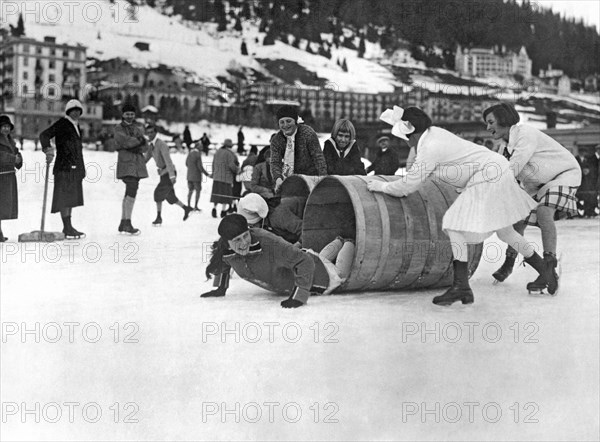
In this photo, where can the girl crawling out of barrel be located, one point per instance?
(490, 199)
(269, 261)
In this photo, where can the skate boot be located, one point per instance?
(128, 228)
(122, 226)
(158, 221)
(548, 279)
(223, 213)
(214, 213)
(186, 212)
(69, 231)
(507, 267)
(2, 237)
(460, 290)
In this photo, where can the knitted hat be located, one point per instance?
(228, 142)
(73, 104)
(287, 111)
(128, 108)
(5, 119)
(253, 207)
(232, 225)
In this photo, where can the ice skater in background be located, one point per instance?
(195, 171)
(10, 161)
(547, 171)
(258, 255)
(131, 165)
(159, 150)
(490, 202)
(69, 168)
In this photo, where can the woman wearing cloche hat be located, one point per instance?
(69, 168)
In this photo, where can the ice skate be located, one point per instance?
(460, 290)
(157, 222)
(506, 269)
(186, 212)
(547, 281)
(71, 233)
(129, 229)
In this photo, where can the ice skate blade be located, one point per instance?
(542, 293)
(156, 225)
(74, 237)
(496, 282)
(130, 234)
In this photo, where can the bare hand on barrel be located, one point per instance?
(375, 186)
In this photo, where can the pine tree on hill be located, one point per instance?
(19, 30)
(238, 25)
(344, 66)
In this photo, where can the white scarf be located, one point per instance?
(288, 157)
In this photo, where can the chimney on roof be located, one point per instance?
(49, 39)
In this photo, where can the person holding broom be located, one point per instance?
(10, 160)
(69, 168)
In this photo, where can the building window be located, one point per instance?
(66, 53)
(25, 61)
(38, 50)
(51, 78)
(51, 64)
(136, 78)
(25, 75)
(26, 48)
(52, 51)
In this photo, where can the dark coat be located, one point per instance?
(69, 150)
(195, 168)
(308, 156)
(262, 182)
(347, 162)
(225, 165)
(132, 146)
(277, 265)
(10, 159)
(385, 163)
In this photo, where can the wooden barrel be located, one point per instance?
(299, 185)
(399, 241)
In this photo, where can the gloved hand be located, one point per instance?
(49, 155)
(18, 161)
(291, 303)
(214, 293)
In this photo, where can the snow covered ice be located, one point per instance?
(114, 324)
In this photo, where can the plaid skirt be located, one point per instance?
(561, 198)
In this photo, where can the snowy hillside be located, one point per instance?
(111, 30)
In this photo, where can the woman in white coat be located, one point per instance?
(490, 201)
(546, 170)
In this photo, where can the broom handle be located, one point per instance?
(45, 196)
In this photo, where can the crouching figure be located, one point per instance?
(269, 261)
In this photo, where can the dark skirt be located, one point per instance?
(222, 193)
(165, 190)
(9, 203)
(68, 191)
